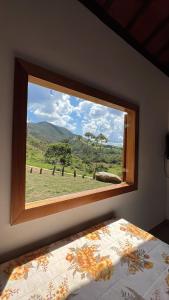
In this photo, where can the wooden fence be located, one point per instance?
(38, 170)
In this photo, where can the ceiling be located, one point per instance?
(144, 24)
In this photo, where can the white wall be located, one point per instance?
(167, 174)
(66, 37)
(167, 204)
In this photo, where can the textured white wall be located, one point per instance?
(66, 37)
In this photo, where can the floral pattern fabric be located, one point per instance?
(114, 260)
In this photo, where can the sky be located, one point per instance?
(77, 115)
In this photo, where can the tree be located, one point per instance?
(90, 136)
(87, 134)
(90, 140)
(99, 141)
(101, 138)
(59, 153)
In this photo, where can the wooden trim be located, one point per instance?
(38, 210)
(124, 148)
(19, 141)
(130, 147)
(77, 93)
(21, 212)
(82, 196)
(53, 80)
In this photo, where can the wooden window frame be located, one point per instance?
(21, 211)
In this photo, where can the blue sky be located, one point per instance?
(73, 113)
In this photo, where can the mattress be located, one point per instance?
(111, 261)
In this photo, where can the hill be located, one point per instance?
(84, 153)
(48, 132)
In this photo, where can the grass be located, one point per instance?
(39, 164)
(115, 168)
(42, 186)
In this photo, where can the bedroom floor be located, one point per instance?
(161, 231)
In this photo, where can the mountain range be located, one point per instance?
(48, 132)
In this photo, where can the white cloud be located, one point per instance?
(57, 108)
(102, 119)
(51, 106)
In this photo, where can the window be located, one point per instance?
(72, 144)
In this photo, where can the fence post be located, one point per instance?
(63, 170)
(40, 170)
(31, 170)
(53, 172)
(74, 174)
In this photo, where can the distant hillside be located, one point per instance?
(48, 132)
(40, 135)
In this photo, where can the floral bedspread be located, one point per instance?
(111, 261)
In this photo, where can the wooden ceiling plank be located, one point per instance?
(123, 11)
(158, 41)
(107, 4)
(156, 31)
(163, 49)
(139, 13)
(164, 58)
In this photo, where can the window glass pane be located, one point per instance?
(73, 144)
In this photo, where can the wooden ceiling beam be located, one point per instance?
(138, 14)
(160, 26)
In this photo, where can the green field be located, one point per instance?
(42, 186)
(83, 155)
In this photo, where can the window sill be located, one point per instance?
(49, 206)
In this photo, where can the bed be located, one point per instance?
(111, 261)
